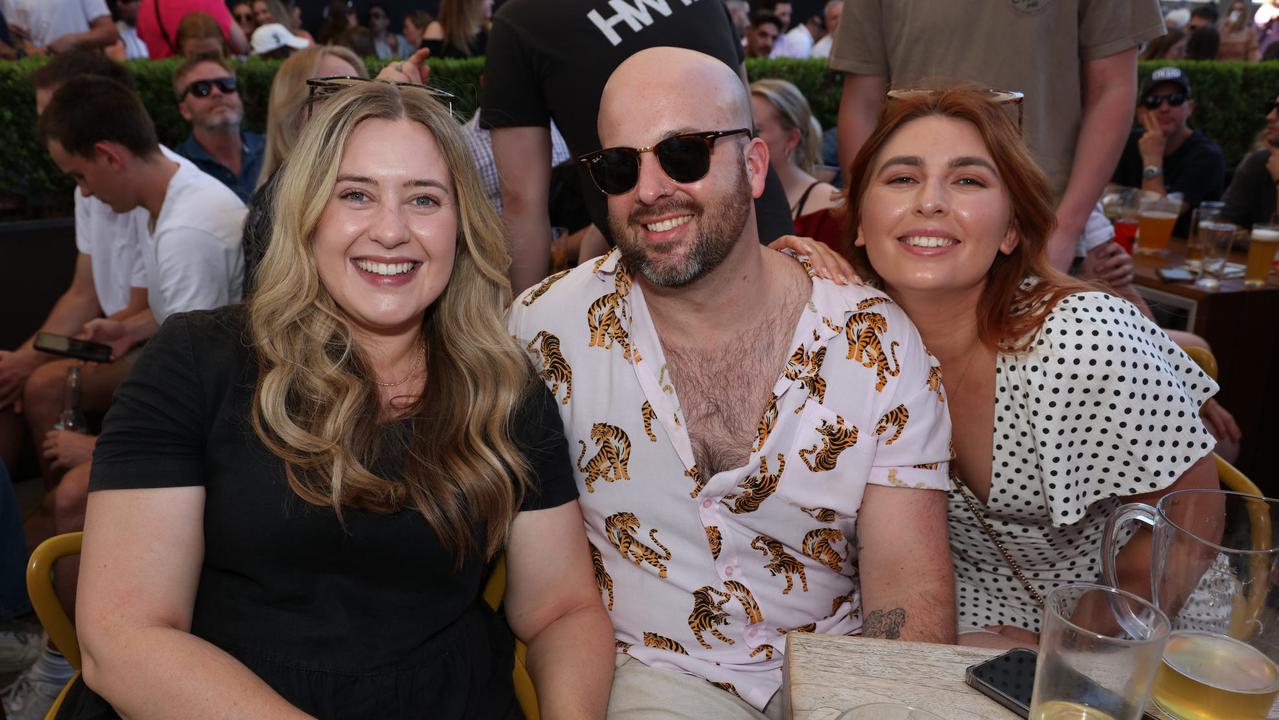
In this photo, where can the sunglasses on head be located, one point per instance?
(685, 158)
(321, 89)
(203, 88)
(1154, 101)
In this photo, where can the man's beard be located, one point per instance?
(719, 228)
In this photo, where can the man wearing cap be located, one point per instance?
(273, 41)
(1164, 154)
(209, 99)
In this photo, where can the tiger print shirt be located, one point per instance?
(706, 575)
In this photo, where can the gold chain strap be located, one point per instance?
(999, 544)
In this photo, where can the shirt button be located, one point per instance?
(728, 570)
(708, 503)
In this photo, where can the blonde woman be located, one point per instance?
(294, 502)
(1238, 35)
(461, 30)
(786, 124)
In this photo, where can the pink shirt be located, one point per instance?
(706, 575)
(172, 12)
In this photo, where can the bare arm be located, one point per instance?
(101, 34)
(908, 584)
(238, 43)
(138, 576)
(553, 605)
(523, 158)
(75, 307)
(1110, 93)
(859, 107)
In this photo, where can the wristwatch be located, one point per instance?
(1150, 172)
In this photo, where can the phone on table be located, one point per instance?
(1175, 274)
(1009, 680)
(73, 348)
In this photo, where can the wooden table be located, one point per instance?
(1242, 325)
(824, 675)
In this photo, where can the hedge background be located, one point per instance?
(1230, 98)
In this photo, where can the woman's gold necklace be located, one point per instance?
(416, 366)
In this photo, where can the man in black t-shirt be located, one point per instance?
(1167, 155)
(550, 59)
(1251, 197)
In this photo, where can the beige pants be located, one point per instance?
(644, 693)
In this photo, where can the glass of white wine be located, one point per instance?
(1215, 572)
(1099, 649)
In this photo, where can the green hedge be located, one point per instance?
(1229, 95)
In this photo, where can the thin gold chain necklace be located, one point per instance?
(417, 364)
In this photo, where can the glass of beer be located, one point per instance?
(1158, 216)
(1215, 573)
(1099, 650)
(1261, 254)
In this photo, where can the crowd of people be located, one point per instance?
(788, 380)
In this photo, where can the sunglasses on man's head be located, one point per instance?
(685, 158)
(204, 88)
(1154, 101)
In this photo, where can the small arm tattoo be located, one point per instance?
(885, 624)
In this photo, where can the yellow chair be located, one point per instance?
(56, 622)
(47, 606)
(494, 589)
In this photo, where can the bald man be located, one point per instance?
(739, 423)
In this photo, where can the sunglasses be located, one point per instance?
(247, 17)
(321, 89)
(203, 88)
(684, 158)
(1154, 101)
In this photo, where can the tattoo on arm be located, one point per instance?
(885, 624)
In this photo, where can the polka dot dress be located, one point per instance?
(1104, 405)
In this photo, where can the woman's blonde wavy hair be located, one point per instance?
(794, 113)
(288, 97)
(316, 405)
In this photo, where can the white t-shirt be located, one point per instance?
(134, 47)
(192, 256)
(796, 43)
(48, 20)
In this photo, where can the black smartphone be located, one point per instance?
(1009, 680)
(72, 348)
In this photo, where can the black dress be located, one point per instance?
(475, 48)
(373, 621)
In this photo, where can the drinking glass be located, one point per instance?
(1215, 238)
(1158, 216)
(887, 711)
(1213, 572)
(1208, 211)
(1098, 653)
(1122, 206)
(1261, 254)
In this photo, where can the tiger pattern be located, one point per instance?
(708, 615)
(727, 686)
(743, 595)
(699, 482)
(811, 627)
(555, 369)
(605, 325)
(714, 540)
(662, 383)
(934, 382)
(820, 545)
(758, 487)
(895, 418)
(805, 367)
(926, 466)
(621, 646)
(836, 438)
(621, 528)
(610, 460)
(768, 651)
(821, 514)
(648, 416)
(659, 642)
(543, 287)
(602, 578)
(840, 600)
(766, 424)
(869, 303)
(781, 562)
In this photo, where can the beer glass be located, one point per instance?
(1261, 254)
(1098, 653)
(1214, 238)
(1208, 211)
(1213, 572)
(1158, 216)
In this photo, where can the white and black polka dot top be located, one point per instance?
(1103, 406)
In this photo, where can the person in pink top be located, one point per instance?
(158, 25)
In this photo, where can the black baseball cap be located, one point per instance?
(1167, 74)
